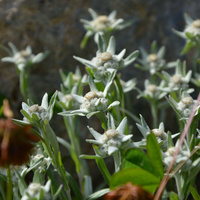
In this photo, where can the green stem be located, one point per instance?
(103, 120)
(24, 77)
(178, 185)
(154, 111)
(117, 160)
(81, 165)
(104, 170)
(52, 148)
(9, 185)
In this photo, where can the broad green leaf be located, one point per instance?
(154, 154)
(135, 158)
(173, 196)
(136, 176)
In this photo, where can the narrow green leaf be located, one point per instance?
(194, 193)
(104, 171)
(154, 154)
(98, 194)
(136, 176)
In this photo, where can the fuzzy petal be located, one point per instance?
(95, 134)
(122, 126)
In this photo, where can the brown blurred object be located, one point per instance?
(128, 192)
(16, 142)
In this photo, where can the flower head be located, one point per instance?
(191, 33)
(152, 91)
(183, 155)
(101, 24)
(106, 60)
(94, 101)
(154, 61)
(185, 106)
(35, 190)
(23, 58)
(37, 114)
(159, 132)
(112, 140)
(41, 162)
(179, 80)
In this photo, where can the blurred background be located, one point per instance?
(54, 25)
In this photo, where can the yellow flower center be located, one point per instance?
(105, 56)
(152, 58)
(111, 133)
(171, 151)
(187, 100)
(196, 23)
(152, 88)
(103, 19)
(157, 132)
(176, 79)
(91, 95)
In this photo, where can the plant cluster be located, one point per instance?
(30, 148)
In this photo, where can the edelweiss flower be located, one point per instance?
(94, 101)
(152, 91)
(106, 60)
(129, 85)
(185, 106)
(159, 132)
(183, 155)
(35, 190)
(191, 33)
(101, 24)
(35, 114)
(178, 81)
(41, 162)
(154, 61)
(23, 58)
(112, 140)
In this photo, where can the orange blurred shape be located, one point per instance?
(128, 192)
(6, 109)
(16, 143)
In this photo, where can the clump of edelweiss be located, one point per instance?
(112, 140)
(106, 60)
(94, 101)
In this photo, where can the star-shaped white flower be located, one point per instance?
(94, 101)
(22, 58)
(112, 140)
(106, 60)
